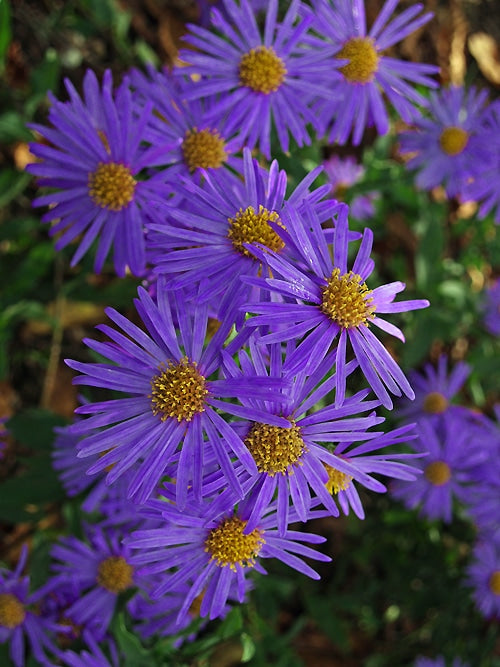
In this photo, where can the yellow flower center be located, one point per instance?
(12, 611)
(363, 60)
(203, 149)
(494, 582)
(262, 70)
(228, 545)
(337, 481)
(347, 300)
(453, 140)
(112, 186)
(275, 448)
(247, 226)
(438, 473)
(115, 574)
(435, 403)
(179, 391)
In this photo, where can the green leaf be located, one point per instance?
(35, 428)
(12, 182)
(135, 653)
(13, 127)
(248, 648)
(5, 29)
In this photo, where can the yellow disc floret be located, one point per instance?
(275, 448)
(115, 574)
(363, 60)
(249, 226)
(178, 391)
(453, 140)
(112, 186)
(438, 473)
(494, 582)
(337, 481)
(435, 403)
(228, 545)
(203, 149)
(347, 300)
(12, 611)
(262, 70)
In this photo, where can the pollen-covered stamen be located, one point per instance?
(347, 300)
(275, 448)
(337, 481)
(494, 582)
(228, 545)
(179, 391)
(453, 140)
(115, 574)
(12, 611)
(247, 226)
(262, 70)
(112, 186)
(363, 60)
(203, 149)
(438, 473)
(435, 403)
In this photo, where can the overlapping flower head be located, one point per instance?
(368, 74)
(483, 574)
(342, 173)
(450, 145)
(262, 79)
(91, 158)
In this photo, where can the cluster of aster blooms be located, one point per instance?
(460, 471)
(239, 396)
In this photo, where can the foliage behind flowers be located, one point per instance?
(247, 391)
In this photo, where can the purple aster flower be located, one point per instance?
(449, 146)
(101, 569)
(332, 301)
(19, 619)
(312, 453)
(93, 657)
(260, 78)
(435, 388)
(438, 662)
(369, 75)
(212, 239)
(92, 161)
(174, 399)
(483, 188)
(216, 552)
(491, 308)
(191, 140)
(483, 574)
(342, 173)
(447, 470)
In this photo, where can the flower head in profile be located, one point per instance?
(483, 575)
(215, 552)
(173, 401)
(369, 76)
(91, 157)
(262, 78)
(326, 301)
(449, 144)
(19, 619)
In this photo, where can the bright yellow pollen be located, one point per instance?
(438, 473)
(494, 582)
(115, 574)
(112, 186)
(262, 70)
(275, 448)
(337, 481)
(12, 611)
(435, 403)
(203, 149)
(247, 226)
(179, 391)
(228, 545)
(453, 140)
(363, 60)
(346, 300)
